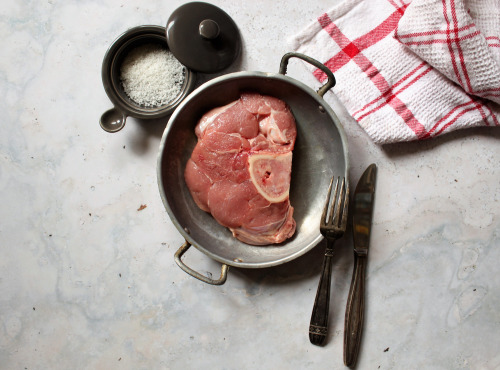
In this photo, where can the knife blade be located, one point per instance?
(362, 212)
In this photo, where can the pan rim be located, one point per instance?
(221, 79)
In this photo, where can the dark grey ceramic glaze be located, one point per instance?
(114, 119)
(203, 37)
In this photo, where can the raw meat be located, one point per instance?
(240, 169)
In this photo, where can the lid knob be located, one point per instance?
(209, 29)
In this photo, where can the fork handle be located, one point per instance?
(318, 326)
(355, 311)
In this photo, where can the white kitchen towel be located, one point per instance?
(401, 91)
(459, 39)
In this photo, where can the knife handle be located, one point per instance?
(355, 311)
(318, 326)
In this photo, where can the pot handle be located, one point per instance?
(113, 120)
(331, 78)
(177, 257)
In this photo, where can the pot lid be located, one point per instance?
(203, 37)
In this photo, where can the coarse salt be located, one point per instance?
(151, 76)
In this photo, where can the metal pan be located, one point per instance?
(320, 153)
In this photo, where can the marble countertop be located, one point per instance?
(87, 274)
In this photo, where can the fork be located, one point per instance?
(332, 226)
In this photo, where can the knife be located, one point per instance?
(361, 224)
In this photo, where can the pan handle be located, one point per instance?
(331, 78)
(177, 257)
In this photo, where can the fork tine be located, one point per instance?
(336, 204)
(327, 203)
(346, 206)
(334, 212)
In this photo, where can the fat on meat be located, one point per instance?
(240, 168)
